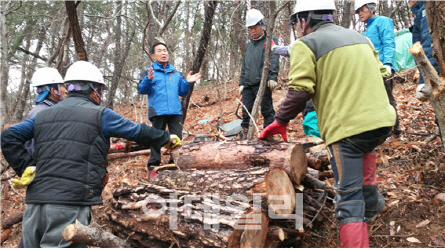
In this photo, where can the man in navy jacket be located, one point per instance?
(164, 84)
(72, 139)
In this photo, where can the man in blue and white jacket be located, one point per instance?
(164, 84)
(380, 30)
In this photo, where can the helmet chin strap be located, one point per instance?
(59, 96)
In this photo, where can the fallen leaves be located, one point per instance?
(423, 224)
(440, 197)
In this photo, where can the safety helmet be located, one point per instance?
(253, 17)
(85, 71)
(360, 3)
(311, 5)
(46, 76)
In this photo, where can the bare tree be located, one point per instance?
(210, 8)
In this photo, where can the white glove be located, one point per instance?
(241, 90)
(388, 69)
(423, 92)
(272, 84)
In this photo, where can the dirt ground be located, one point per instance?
(411, 172)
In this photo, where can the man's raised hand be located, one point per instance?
(193, 78)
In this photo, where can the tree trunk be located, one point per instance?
(209, 12)
(30, 71)
(76, 31)
(4, 76)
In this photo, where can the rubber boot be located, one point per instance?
(374, 201)
(354, 235)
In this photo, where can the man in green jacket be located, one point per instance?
(340, 71)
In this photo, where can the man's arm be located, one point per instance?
(388, 41)
(243, 70)
(114, 125)
(274, 64)
(13, 145)
(184, 86)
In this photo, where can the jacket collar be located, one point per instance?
(261, 39)
(81, 96)
(319, 24)
(157, 66)
(370, 20)
(417, 7)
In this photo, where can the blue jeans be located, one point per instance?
(346, 158)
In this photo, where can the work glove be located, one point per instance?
(27, 177)
(388, 69)
(173, 143)
(241, 90)
(273, 129)
(272, 84)
(423, 92)
(272, 43)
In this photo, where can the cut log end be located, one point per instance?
(279, 185)
(69, 232)
(416, 49)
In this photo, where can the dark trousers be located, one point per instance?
(389, 85)
(174, 123)
(267, 111)
(348, 158)
(43, 224)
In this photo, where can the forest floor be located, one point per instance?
(411, 172)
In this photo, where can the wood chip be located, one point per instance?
(413, 240)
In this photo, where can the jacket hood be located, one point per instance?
(158, 66)
(417, 7)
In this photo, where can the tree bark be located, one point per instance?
(4, 76)
(92, 236)
(76, 31)
(209, 12)
(234, 155)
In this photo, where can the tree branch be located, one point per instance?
(161, 30)
(32, 54)
(153, 14)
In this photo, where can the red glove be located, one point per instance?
(272, 43)
(273, 129)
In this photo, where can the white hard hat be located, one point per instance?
(312, 5)
(84, 71)
(359, 3)
(253, 16)
(45, 76)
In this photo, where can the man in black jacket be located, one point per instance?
(252, 70)
(72, 140)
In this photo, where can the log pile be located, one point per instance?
(224, 194)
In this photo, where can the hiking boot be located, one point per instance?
(243, 134)
(371, 215)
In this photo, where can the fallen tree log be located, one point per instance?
(92, 236)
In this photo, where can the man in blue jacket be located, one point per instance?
(380, 30)
(164, 84)
(72, 140)
(421, 33)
